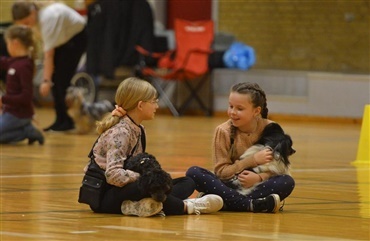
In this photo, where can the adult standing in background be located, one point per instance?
(64, 41)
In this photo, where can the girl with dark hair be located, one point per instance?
(248, 117)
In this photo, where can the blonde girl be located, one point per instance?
(122, 135)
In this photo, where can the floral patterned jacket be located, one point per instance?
(114, 146)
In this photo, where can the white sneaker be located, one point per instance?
(146, 207)
(207, 204)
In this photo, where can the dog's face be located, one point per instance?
(157, 183)
(153, 181)
(74, 97)
(282, 147)
(280, 143)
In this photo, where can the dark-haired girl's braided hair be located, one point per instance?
(232, 138)
(258, 98)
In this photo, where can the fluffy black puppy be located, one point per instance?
(153, 180)
(274, 138)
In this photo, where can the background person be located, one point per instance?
(64, 41)
(17, 102)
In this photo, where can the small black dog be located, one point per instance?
(153, 180)
(274, 138)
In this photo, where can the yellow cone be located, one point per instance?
(363, 151)
(362, 165)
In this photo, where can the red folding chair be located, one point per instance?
(187, 64)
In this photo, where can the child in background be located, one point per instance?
(64, 41)
(17, 102)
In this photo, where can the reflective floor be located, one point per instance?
(39, 187)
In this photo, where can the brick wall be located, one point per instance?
(312, 35)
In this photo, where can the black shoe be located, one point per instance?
(53, 126)
(63, 127)
(269, 204)
(35, 135)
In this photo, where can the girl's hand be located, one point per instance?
(263, 156)
(248, 178)
(44, 88)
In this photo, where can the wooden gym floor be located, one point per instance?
(39, 187)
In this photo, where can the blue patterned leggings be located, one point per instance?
(208, 183)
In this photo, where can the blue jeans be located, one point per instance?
(209, 183)
(13, 129)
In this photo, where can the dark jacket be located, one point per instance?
(114, 27)
(18, 99)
